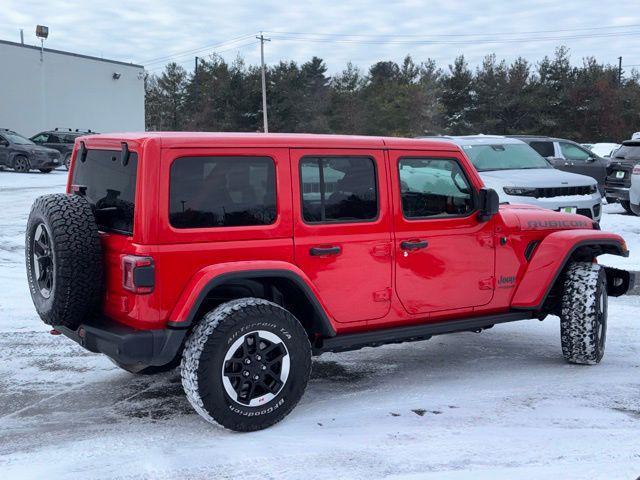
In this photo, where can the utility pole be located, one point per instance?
(264, 84)
(619, 71)
(195, 78)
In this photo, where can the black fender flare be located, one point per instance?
(323, 325)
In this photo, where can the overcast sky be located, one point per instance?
(152, 32)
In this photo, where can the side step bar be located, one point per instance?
(355, 341)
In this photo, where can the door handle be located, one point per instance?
(414, 244)
(322, 251)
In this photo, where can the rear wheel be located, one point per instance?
(246, 365)
(626, 204)
(583, 319)
(67, 161)
(45, 170)
(21, 164)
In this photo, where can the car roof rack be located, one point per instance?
(77, 130)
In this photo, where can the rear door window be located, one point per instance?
(338, 189)
(110, 188)
(543, 148)
(208, 192)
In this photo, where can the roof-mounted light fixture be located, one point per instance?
(42, 32)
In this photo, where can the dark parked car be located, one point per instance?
(22, 154)
(569, 156)
(60, 140)
(619, 175)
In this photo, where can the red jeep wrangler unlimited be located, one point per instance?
(239, 256)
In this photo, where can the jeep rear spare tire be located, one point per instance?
(246, 364)
(64, 259)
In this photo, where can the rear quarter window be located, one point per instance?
(110, 188)
(210, 192)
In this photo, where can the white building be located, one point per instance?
(68, 90)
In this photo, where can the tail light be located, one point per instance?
(636, 170)
(138, 274)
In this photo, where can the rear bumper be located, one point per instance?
(619, 193)
(127, 345)
(619, 281)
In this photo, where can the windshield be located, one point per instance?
(504, 157)
(18, 139)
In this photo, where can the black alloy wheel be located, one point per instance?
(43, 264)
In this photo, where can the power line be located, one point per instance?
(458, 34)
(194, 50)
(372, 40)
(189, 62)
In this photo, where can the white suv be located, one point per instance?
(521, 175)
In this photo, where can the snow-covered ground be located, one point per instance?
(501, 404)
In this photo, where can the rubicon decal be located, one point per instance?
(541, 224)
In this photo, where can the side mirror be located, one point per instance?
(489, 204)
(4, 143)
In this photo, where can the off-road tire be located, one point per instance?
(203, 362)
(45, 170)
(76, 258)
(626, 204)
(21, 164)
(583, 319)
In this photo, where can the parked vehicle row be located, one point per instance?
(521, 176)
(22, 155)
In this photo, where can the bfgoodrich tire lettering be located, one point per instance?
(583, 320)
(205, 351)
(74, 254)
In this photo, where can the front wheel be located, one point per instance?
(246, 364)
(21, 164)
(583, 319)
(626, 204)
(45, 170)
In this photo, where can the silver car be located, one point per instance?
(520, 175)
(634, 191)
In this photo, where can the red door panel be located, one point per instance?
(349, 262)
(442, 263)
